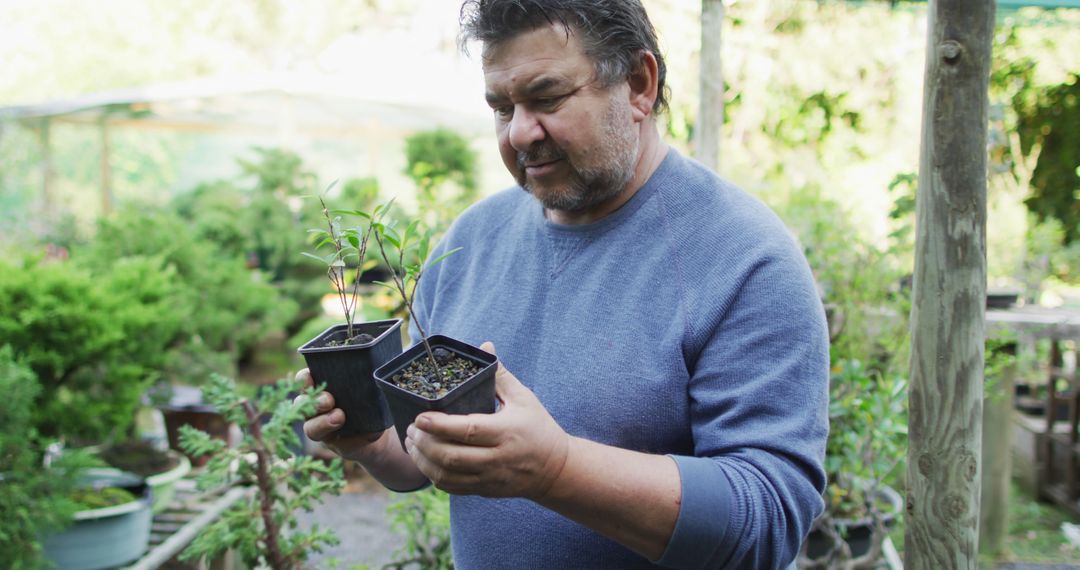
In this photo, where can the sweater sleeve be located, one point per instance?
(758, 401)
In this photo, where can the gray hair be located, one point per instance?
(613, 32)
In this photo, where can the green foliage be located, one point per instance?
(867, 304)
(262, 217)
(423, 518)
(444, 169)
(1053, 122)
(861, 284)
(1035, 533)
(95, 342)
(33, 498)
(263, 530)
(1000, 356)
(346, 244)
(231, 308)
(868, 435)
(89, 498)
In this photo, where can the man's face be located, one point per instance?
(569, 141)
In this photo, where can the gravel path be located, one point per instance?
(359, 518)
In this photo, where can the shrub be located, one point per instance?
(34, 499)
(444, 169)
(95, 343)
(231, 307)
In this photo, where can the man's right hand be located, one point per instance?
(328, 419)
(380, 453)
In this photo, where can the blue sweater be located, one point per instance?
(687, 324)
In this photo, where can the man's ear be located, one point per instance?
(644, 85)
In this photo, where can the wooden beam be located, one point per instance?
(106, 169)
(710, 120)
(46, 167)
(947, 320)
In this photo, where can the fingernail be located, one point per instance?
(410, 431)
(324, 400)
(335, 419)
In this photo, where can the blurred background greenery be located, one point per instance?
(154, 158)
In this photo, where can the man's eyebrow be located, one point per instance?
(535, 87)
(541, 85)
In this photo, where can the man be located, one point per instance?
(664, 356)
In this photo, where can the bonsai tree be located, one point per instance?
(263, 529)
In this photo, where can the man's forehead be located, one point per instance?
(551, 36)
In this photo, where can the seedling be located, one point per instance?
(346, 244)
(406, 276)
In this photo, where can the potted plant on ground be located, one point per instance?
(161, 468)
(111, 527)
(867, 442)
(437, 373)
(344, 356)
(263, 528)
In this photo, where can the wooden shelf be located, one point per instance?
(190, 511)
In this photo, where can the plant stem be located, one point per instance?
(399, 283)
(337, 278)
(276, 559)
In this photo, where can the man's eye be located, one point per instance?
(503, 112)
(549, 103)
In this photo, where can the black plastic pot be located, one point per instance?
(474, 396)
(858, 532)
(347, 372)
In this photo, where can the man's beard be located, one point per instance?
(586, 187)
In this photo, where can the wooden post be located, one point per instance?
(710, 119)
(106, 170)
(47, 198)
(948, 312)
(997, 460)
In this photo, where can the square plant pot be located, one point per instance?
(347, 372)
(474, 396)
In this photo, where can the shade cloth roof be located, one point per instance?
(306, 103)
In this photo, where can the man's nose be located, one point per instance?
(525, 129)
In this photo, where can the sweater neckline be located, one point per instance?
(618, 216)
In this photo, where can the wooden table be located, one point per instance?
(1059, 442)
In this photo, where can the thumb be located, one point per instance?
(506, 384)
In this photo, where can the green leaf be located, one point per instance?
(313, 256)
(444, 256)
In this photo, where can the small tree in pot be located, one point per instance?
(263, 529)
(867, 442)
(438, 372)
(344, 356)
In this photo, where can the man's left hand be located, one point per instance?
(518, 451)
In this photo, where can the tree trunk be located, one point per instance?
(947, 318)
(710, 119)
